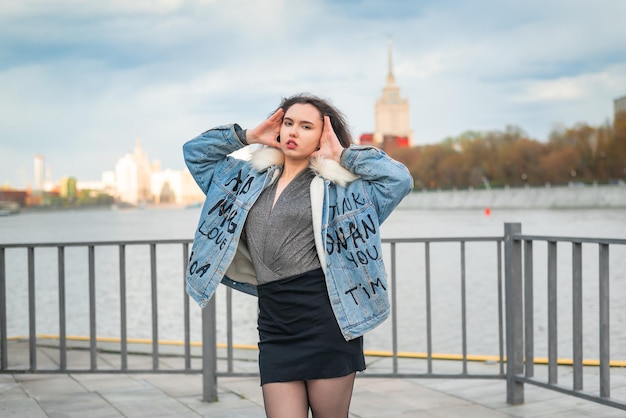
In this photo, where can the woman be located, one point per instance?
(299, 226)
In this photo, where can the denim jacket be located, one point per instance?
(349, 201)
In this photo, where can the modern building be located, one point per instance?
(133, 174)
(392, 114)
(40, 174)
(174, 187)
(619, 104)
(137, 181)
(67, 188)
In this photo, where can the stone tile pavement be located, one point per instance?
(180, 395)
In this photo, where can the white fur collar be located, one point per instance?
(330, 170)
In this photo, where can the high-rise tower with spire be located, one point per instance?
(392, 113)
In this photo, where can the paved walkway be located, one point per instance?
(123, 395)
(179, 395)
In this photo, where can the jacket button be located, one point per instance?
(335, 301)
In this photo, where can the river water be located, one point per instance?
(177, 223)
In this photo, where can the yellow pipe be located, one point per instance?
(371, 353)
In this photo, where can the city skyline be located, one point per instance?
(82, 80)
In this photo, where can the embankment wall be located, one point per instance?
(550, 197)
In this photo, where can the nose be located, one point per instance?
(293, 130)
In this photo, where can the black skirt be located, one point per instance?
(299, 338)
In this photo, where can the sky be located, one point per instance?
(81, 81)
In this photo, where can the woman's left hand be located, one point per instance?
(330, 147)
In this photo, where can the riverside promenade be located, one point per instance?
(84, 394)
(574, 196)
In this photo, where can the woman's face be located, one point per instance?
(301, 131)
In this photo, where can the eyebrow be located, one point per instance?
(302, 121)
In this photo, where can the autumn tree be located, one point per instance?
(617, 148)
(511, 157)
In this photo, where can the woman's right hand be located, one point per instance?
(267, 132)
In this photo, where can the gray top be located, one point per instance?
(280, 239)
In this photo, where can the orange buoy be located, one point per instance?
(487, 211)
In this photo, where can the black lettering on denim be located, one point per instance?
(202, 270)
(227, 212)
(337, 242)
(330, 244)
(350, 257)
(241, 185)
(217, 236)
(232, 226)
(365, 290)
(333, 211)
(374, 286)
(227, 218)
(217, 233)
(359, 234)
(222, 217)
(369, 228)
(358, 200)
(379, 283)
(202, 230)
(192, 267)
(350, 291)
(237, 180)
(246, 187)
(362, 257)
(373, 256)
(355, 234)
(219, 205)
(346, 204)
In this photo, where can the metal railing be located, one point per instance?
(30, 277)
(520, 268)
(511, 284)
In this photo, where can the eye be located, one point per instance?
(287, 123)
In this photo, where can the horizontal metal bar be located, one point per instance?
(104, 371)
(441, 239)
(519, 237)
(576, 393)
(96, 243)
(586, 240)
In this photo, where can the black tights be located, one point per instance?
(327, 398)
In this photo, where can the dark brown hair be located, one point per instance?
(337, 119)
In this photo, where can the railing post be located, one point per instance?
(209, 353)
(3, 313)
(605, 335)
(514, 313)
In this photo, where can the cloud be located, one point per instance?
(81, 80)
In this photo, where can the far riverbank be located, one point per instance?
(574, 196)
